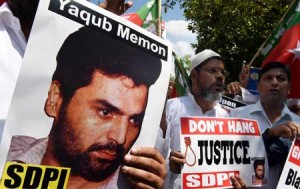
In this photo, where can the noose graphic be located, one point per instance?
(187, 141)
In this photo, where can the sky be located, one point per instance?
(180, 37)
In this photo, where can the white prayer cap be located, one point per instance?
(201, 57)
(293, 101)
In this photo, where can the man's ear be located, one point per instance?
(54, 100)
(193, 75)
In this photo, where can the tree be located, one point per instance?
(233, 28)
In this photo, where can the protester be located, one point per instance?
(294, 105)
(16, 19)
(277, 123)
(207, 78)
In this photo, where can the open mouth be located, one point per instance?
(219, 87)
(274, 91)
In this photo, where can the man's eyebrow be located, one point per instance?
(113, 108)
(109, 106)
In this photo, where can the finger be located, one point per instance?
(293, 132)
(177, 154)
(103, 5)
(236, 89)
(298, 133)
(128, 5)
(177, 160)
(241, 182)
(147, 164)
(295, 128)
(141, 178)
(235, 183)
(229, 91)
(148, 152)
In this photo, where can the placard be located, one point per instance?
(218, 148)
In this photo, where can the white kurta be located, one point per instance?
(175, 109)
(12, 47)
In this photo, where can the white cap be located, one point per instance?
(293, 101)
(201, 57)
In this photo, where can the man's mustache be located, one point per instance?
(219, 83)
(112, 147)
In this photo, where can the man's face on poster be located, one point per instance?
(98, 125)
(260, 172)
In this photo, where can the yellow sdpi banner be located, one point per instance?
(19, 176)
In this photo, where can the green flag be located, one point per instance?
(181, 80)
(140, 16)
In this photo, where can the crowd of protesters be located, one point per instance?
(278, 117)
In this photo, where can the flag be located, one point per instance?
(147, 17)
(181, 80)
(151, 21)
(140, 16)
(284, 46)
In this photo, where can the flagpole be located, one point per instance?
(261, 47)
(159, 33)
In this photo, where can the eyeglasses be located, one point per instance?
(215, 71)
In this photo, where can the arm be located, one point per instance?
(288, 130)
(145, 168)
(277, 147)
(116, 6)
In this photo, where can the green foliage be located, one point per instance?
(234, 28)
(186, 61)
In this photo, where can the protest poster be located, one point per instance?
(290, 176)
(218, 148)
(86, 72)
(228, 103)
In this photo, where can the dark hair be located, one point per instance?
(86, 51)
(24, 10)
(258, 162)
(274, 65)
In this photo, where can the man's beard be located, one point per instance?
(260, 176)
(208, 94)
(69, 153)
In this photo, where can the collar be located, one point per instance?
(4, 8)
(259, 108)
(34, 152)
(8, 18)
